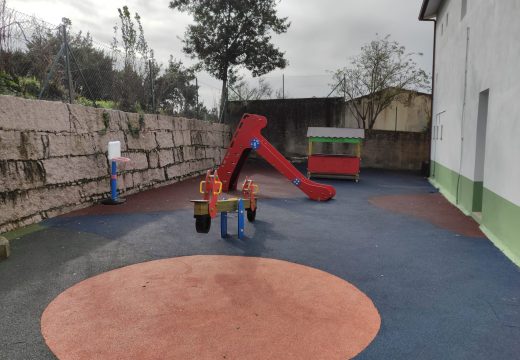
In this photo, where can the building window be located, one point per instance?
(464, 9)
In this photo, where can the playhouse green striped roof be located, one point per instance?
(331, 134)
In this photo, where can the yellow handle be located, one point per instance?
(256, 189)
(219, 188)
(203, 184)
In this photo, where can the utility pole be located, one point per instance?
(344, 87)
(67, 63)
(283, 86)
(197, 96)
(396, 118)
(152, 84)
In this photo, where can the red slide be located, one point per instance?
(247, 137)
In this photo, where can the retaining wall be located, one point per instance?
(53, 156)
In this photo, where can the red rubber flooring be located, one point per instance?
(211, 307)
(433, 208)
(169, 198)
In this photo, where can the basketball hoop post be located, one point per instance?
(114, 155)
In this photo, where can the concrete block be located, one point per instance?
(166, 158)
(152, 176)
(178, 155)
(200, 152)
(153, 159)
(94, 188)
(85, 119)
(178, 138)
(211, 138)
(71, 144)
(196, 138)
(101, 140)
(138, 161)
(186, 137)
(78, 168)
(117, 121)
(143, 141)
(21, 175)
(181, 123)
(34, 115)
(188, 153)
(22, 145)
(166, 122)
(174, 171)
(151, 122)
(164, 139)
(5, 250)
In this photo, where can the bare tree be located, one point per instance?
(242, 91)
(380, 74)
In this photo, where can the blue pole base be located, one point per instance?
(223, 225)
(110, 201)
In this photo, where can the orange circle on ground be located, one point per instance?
(211, 307)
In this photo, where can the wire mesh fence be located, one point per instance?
(284, 87)
(40, 60)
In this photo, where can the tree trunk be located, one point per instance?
(223, 99)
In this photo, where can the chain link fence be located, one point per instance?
(39, 60)
(285, 87)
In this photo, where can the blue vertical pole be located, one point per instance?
(113, 181)
(223, 225)
(241, 212)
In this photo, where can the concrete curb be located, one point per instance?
(5, 251)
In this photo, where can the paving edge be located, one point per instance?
(5, 250)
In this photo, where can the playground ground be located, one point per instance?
(441, 289)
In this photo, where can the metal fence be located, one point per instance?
(40, 60)
(284, 87)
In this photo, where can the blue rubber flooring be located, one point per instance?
(440, 295)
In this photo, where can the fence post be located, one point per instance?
(152, 84)
(67, 64)
(197, 97)
(345, 87)
(283, 86)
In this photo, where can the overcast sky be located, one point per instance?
(323, 35)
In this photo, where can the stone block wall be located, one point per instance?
(53, 156)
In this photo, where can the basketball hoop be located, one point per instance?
(114, 157)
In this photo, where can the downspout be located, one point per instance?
(463, 114)
(433, 85)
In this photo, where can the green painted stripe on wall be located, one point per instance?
(500, 218)
(447, 180)
(501, 222)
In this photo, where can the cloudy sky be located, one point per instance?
(323, 35)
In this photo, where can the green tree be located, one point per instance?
(130, 90)
(176, 93)
(381, 73)
(97, 73)
(228, 34)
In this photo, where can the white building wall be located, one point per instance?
(494, 64)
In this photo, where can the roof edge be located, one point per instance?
(424, 6)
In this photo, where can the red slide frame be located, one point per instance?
(247, 137)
